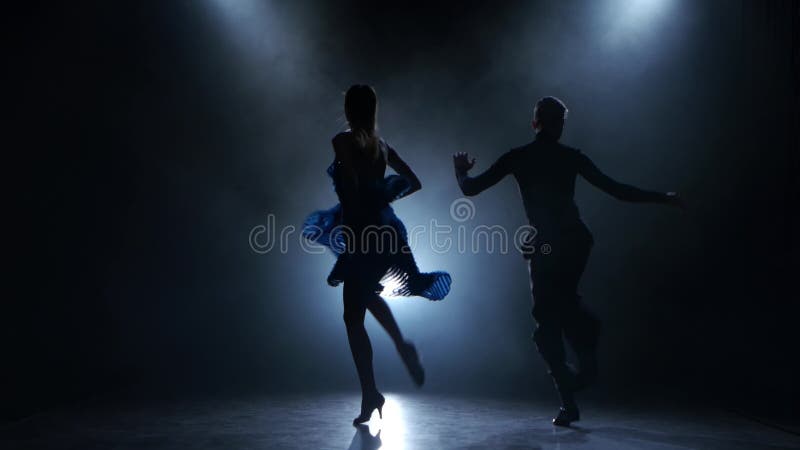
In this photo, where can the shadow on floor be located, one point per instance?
(363, 440)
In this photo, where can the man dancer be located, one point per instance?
(545, 171)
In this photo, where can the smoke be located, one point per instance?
(466, 84)
(221, 113)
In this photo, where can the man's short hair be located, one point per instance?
(550, 110)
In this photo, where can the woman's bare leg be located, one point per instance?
(380, 310)
(355, 301)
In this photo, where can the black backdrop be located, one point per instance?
(147, 139)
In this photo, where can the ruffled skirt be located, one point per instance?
(380, 255)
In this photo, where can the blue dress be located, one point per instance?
(393, 269)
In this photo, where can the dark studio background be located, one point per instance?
(148, 138)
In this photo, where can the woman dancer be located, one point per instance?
(370, 241)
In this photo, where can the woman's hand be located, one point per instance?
(462, 163)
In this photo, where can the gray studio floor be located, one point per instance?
(409, 422)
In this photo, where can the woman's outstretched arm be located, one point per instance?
(398, 165)
(621, 191)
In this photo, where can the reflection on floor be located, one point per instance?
(409, 422)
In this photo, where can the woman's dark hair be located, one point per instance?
(361, 107)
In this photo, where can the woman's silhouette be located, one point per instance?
(370, 241)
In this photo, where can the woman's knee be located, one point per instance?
(354, 312)
(356, 299)
(353, 316)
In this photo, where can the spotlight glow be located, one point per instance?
(392, 427)
(642, 11)
(633, 20)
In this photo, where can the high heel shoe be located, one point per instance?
(369, 404)
(411, 359)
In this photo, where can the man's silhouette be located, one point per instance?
(545, 171)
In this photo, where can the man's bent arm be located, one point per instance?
(475, 185)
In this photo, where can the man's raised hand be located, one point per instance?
(462, 162)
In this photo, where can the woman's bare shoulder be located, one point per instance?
(343, 143)
(343, 137)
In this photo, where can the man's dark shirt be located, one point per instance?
(545, 171)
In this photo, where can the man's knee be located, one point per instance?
(546, 311)
(582, 329)
(546, 336)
